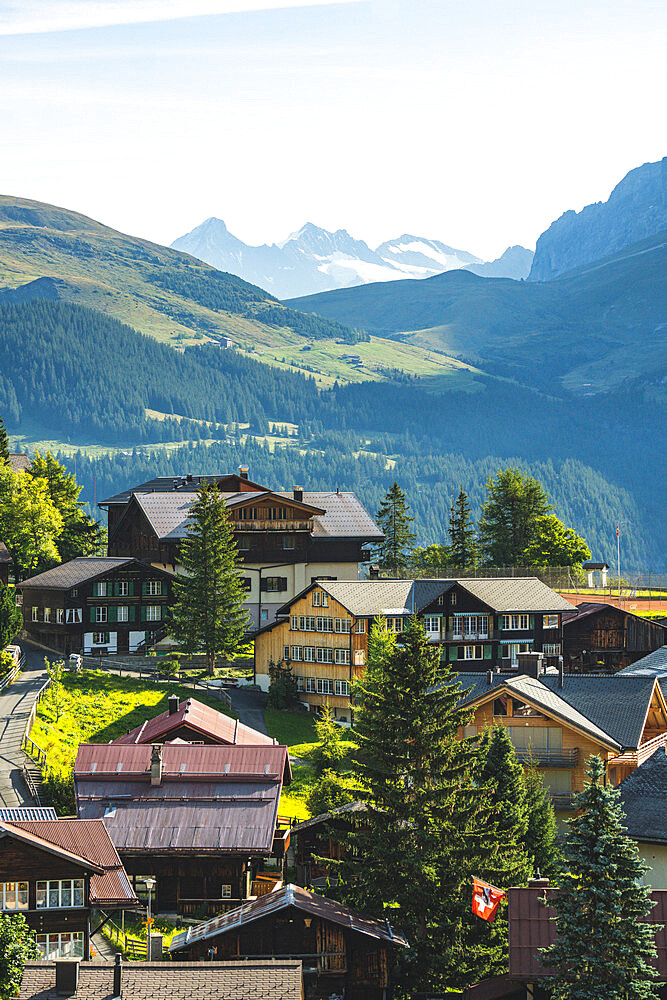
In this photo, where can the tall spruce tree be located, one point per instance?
(394, 519)
(502, 771)
(430, 825)
(514, 506)
(604, 948)
(541, 839)
(4, 443)
(208, 613)
(464, 551)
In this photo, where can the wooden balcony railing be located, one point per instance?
(547, 756)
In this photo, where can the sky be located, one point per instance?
(475, 122)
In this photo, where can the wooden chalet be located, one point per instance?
(323, 632)
(343, 952)
(55, 872)
(97, 605)
(199, 819)
(557, 721)
(285, 539)
(316, 841)
(601, 637)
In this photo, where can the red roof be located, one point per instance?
(85, 842)
(181, 761)
(202, 720)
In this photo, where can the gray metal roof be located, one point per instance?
(282, 899)
(74, 572)
(644, 798)
(525, 593)
(652, 665)
(18, 814)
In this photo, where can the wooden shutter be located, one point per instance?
(113, 614)
(92, 615)
(283, 583)
(130, 613)
(531, 621)
(116, 589)
(143, 613)
(130, 588)
(487, 652)
(144, 587)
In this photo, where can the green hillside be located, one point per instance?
(587, 331)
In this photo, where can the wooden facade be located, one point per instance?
(604, 639)
(191, 885)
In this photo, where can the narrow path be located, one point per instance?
(104, 948)
(249, 705)
(16, 703)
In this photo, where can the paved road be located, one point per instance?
(16, 702)
(250, 706)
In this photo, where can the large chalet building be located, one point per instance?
(285, 539)
(476, 624)
(601, 637)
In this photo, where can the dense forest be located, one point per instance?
(89, 379)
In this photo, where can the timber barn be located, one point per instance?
(199, 819)
(343, 952)
(604, 638)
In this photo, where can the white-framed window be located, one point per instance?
(325, 625)
(101, 614)
(324, 654)
(432, 625)
(341, 656)
(60, 893)
(300, 683)
(60, 615)
(325, 685)
(286, 653)
(47, 614)
(474, 652)
(123, 588)
(359, 657)
(310, 685)
(52, 946)
(73, 616)
(294, 623)
(100, 638)
(35, 614)
(306, 623)
(317, 598)
(288, 542)
(342, 688)
(551, 648)
(360, 626)
(516, 622)
(452, 598)
(342, 625)
(549, 621)
(309, 654)
(394, 624)
(297, 653)
(122, 613)
(100, 589)
(225, 891)
(13, 895)
(154, 588)
(325, 600)
(153, 613)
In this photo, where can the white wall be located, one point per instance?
(88, 646)
(655, 855)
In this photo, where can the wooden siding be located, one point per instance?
(609, 639)
(186, 885)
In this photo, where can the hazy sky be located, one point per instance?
(470, 121)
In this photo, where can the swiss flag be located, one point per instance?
(485, 899)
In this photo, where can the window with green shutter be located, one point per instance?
(532, 621)
(130, 613)
(487, 652)
(93, 616)
(143, 613)
(113, 614)
(130, 588)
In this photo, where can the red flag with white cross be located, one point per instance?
(485, 899)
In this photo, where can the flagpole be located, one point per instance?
(618, 556)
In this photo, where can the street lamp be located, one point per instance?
(150, 884)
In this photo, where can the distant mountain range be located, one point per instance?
(635, 210)
(316, 260)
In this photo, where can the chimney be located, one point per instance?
(173, 704)
(531, 664)
(243, 471)
(374, 573)
(67, 978)
(298, 494)
(561, 672)
(156, 765)
(118, 977)
(189, 477)
(489, 676)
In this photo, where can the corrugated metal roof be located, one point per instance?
(505, 594)
(17, 813)
(281, 899)
(201, 718)
(277, 979)
(644, 799)
(181, 761)
(76, 571)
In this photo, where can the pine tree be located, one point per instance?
(604, 947)
(329, 750)
(11, 619)
(541, 839)
(502, 771)
(462, 533)
(394, 519)
(208, 613)
(513, 507)
(428, 828)
(4, 443)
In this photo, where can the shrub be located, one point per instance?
(283, 691)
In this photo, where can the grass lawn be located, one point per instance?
(99, 707)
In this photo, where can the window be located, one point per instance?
(154, 588)
(394, 624)
(100, 638)
(308, 654)
(54, 946)
(246, 583)
(73, 616)
(288, 542)
(325, 686)
(549, 621)
(359, 657)
(317, 598)
(47, 614)
(558, 782)
(123, 588)
(452, 598)
(297, 653)
(74, 592)
(432, 625)
(247, 514)
(516, 622)
(343, 625)
(274, 584)
(551, 648)
(285, 652)
(264, 615)
(60, 893)
(341, 656)
(360, 626)
(474, 652)
(342, 688)
(500, 706)
(243, 543)
(153, 613)
(101, 614)
(306, 623)
(325, 625)
(310, 685)
(60, 616)
(294, 623)
(35, 614)
(324, 654)
(100, 589)
(225, 891)
(13, 895)
(122, 613)
(325, 600)
(301, 683)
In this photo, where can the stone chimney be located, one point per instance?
(156, 764)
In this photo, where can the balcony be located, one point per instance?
(247, 527)
(466, 636)
(547, 756)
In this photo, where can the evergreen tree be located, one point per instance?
(504, 774)
(283, 687)
(511, 512)
(208, 613)
(330, 791)
(329, 750)
(429, 827)
(4, 443)
(541, 838)
(393, 519)
(17, 946)
(604, 947)
(11, 619)
(462, 533)
(80, 536)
